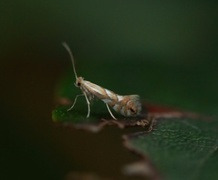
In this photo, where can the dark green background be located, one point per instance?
(164, 51)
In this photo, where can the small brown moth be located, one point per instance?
(128, 105)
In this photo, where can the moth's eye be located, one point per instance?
(132, 110)
(78, 84)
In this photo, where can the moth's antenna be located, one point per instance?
(71, 57)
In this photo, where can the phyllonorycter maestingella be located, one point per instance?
(127, 105)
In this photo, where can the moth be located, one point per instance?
(128, 105)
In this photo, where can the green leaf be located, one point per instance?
(97, 120)
(182, 145)
(180, 148)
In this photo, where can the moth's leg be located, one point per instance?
(75, 101)
(110, 112)
(88, 103)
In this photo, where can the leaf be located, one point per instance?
(180, 148)
(181, 145)
(97, 121)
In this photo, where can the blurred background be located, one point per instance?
(165, 51)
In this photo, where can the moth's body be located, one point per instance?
(128, 105)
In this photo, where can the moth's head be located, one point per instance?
(79, 81)
(134, 106)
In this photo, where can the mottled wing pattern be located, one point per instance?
(126, 105)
